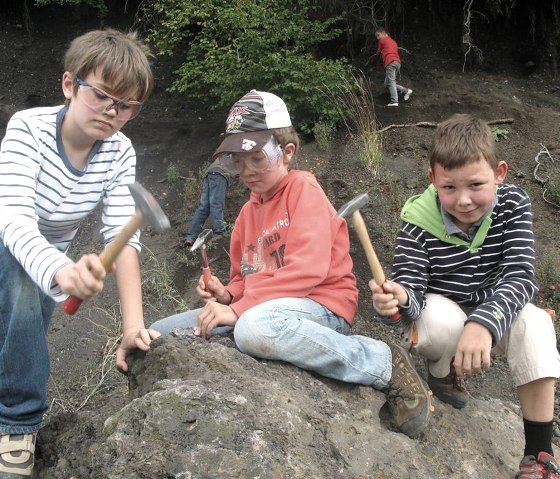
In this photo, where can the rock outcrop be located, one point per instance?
(201, 409)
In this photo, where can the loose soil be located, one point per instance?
(174, 138)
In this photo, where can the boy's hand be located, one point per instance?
(387, 298)
(473, 351)
(214, 291)
(214, 314)
(83, 279)
(134, 339)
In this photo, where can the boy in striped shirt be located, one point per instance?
(56, 165)
(463, 278)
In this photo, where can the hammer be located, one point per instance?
(352, 208)
(200, 242)
(147, 212)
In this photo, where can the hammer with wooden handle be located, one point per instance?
(147, 212)
(352, 209)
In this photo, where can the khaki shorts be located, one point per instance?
(529, 345)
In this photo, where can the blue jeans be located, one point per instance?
(25, 313)
(304, 333)
(211, 203)
(391, 81)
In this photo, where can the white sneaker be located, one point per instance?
(407, 94)
(393, 104)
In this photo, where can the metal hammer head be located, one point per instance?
(147, 205)
(352, 206)
(202, 239)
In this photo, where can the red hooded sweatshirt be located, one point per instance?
(291, 245)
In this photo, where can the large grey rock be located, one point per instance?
(202, 409)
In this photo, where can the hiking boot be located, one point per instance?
(543, 467)
(393, 104)
(17, 452)
(407, 94)
(449, 389)
(409, 401)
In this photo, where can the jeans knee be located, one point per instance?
(245, 334)
(251, 339)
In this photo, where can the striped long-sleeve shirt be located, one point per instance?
(493, 273)
(43, 198)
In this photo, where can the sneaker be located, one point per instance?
(393, 104)
(449, 389)
(187, 243)
(409, 401)
(407, 94)
(543, 467)
(17, 452)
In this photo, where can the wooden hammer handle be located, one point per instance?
(374, 264)
(114, 248)
(109, 255)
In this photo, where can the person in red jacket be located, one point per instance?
(389, 51)
(291, 294)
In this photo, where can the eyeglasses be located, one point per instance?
(100, 101)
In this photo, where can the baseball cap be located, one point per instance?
(251, 121)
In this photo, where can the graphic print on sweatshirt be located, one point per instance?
(266, 252)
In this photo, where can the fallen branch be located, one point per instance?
(430, 124)
(501, 121)
(433, 124)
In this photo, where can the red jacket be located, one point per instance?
(389, 50)
(292, 246)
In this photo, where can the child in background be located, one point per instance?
(291, 294)
(211, 203)
(463, 278)
(389, 51)
(56, 165)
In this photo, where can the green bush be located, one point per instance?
(500, 133)
(230, 47)
(323, 133)
(98, 5)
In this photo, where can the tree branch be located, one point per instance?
(433, 124)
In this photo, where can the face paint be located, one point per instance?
(273, 151)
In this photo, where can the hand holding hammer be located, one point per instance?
(147, 212)
(352, 209)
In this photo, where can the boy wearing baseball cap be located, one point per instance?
(291, 294)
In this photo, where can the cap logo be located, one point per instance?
(235, 118)
(248, 145)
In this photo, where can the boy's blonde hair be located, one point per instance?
(287, 135)
(460, 140)
(122, 60)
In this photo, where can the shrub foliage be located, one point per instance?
(232, 46)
